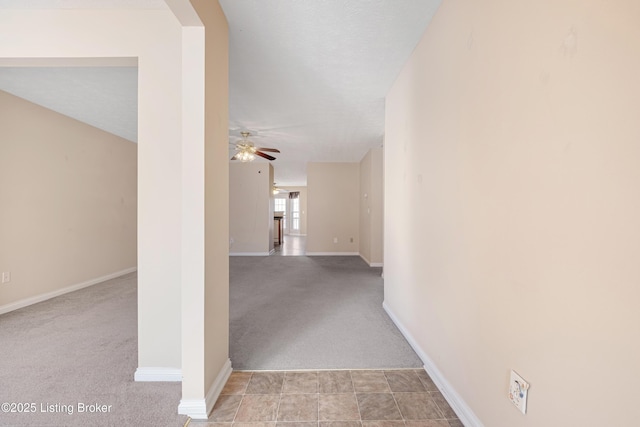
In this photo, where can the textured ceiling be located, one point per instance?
(82, 4)
(306, 77)
(310, 77)
(104, 97)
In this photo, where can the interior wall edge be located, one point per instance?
(199, 409)
(457, 403)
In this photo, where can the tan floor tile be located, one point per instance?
(382, 399)
(335, 382)
(237, 383)
(378, 406)
(265, 383)
(300, 382)
(225, 408)
(443, 405)
(369, 382)
(426, 380)
(427, 423)
(338, 407)
(382, 423)
(258, 407)
(404, 381)
(298, 407)
(417, 406)
(340, 424)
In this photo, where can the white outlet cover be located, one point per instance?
(518, 389)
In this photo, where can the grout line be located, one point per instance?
(394, 398)
(355, 397)
(324, 370)
(244, 393)
(284, 379)
(318, 393)
(318, 397)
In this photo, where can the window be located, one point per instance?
(295, 214)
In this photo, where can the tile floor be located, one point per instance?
(292, 245)
(363, 398)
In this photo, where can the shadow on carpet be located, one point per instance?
(321, 312)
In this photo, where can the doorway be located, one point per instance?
(290, 204)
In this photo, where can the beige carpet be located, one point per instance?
(79, 352)
(320, 312)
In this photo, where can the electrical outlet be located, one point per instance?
(335, 240)
(518, 389)
(6, 277)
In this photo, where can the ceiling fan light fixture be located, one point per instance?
(276, 190)
(246, 156)
(247, 152)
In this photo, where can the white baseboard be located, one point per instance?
(43, 297)
(194, 408)
(217, 386)
(332, 254)
(157, 374)
(371, 264)
(199, 409)
(464, 412)
(248, 253)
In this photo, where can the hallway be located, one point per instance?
(286, 312)
(292, 245)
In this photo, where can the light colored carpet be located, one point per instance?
(81, 348)
(321, 312)
(286, 313)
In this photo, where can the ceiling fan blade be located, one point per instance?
(273, 150)
(266, 156)
(235, 157)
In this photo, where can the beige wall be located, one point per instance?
(511, 207)
(371, 207)
(377, 206)
(68, 196)
(154, 38)
(179, 253)
(272, 225)
(216, 191)
(303, 207)
(250, 208)
(333, 208)
(205, 214)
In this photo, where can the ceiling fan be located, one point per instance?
(277, 190)
(246, 151)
